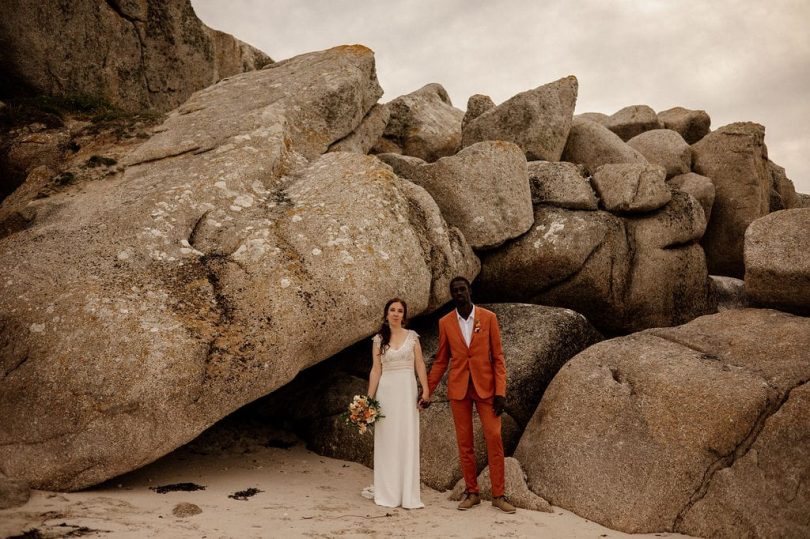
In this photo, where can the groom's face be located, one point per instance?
(460, 293)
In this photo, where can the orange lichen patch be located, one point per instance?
(359, 50)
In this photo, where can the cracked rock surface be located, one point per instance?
(146, 307)
(681, 429)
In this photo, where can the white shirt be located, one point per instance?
(466, 325)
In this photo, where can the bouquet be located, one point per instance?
(363, 411)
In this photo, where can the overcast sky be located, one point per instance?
(746, 60)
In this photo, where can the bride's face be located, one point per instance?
(395, 314)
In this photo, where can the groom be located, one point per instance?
(470, 341)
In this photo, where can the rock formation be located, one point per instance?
(536, 120)
(735, 158)
(632, 121)
(155, 282)
(137, 55)
(700, 429)
(692, 125)
(666, 148)
(561, 184)
(422, 124)
(593, 145)
(483, 190)
(624, 272)
(147, 306)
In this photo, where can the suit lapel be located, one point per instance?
(477, 316)
(457, 329)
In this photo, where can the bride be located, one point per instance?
(396, 354)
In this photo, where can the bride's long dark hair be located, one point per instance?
(385, 329)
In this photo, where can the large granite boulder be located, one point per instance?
(569, 258)
(666, 148)
(701, 429)
(145, 307)
(483, 190)
(536, 120)
(424, 124)
(700, 187)
(593, 145)
(632, 121)
(137, 55)
(735, 158)
(624, 273)
(561, 184)
(777, 265)
(668, 282)
(633, 188)
(692, 125)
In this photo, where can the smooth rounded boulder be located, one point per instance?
(681, 429)
(536, 120)
(665, 148)
(593, 145)
(632, 121)
(777, 264)
(692, 125)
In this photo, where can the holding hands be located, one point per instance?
(423, 402)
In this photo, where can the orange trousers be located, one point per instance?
(462, 417)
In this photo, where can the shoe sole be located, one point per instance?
(467, 508)
(504, 510)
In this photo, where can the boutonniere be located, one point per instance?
(477, 326)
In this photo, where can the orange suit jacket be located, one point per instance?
(483, 361)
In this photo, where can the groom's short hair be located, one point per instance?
(460, 278)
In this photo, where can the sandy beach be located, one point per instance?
(302, 495)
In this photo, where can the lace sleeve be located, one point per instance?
(376, 340)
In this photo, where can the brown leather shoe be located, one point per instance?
(470, 500)
(501, 503)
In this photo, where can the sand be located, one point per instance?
(303, 495)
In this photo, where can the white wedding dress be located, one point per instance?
(396, 435)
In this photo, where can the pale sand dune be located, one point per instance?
(305, 495)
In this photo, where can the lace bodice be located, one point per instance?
(398, 358)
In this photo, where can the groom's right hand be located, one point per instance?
(424, 403)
